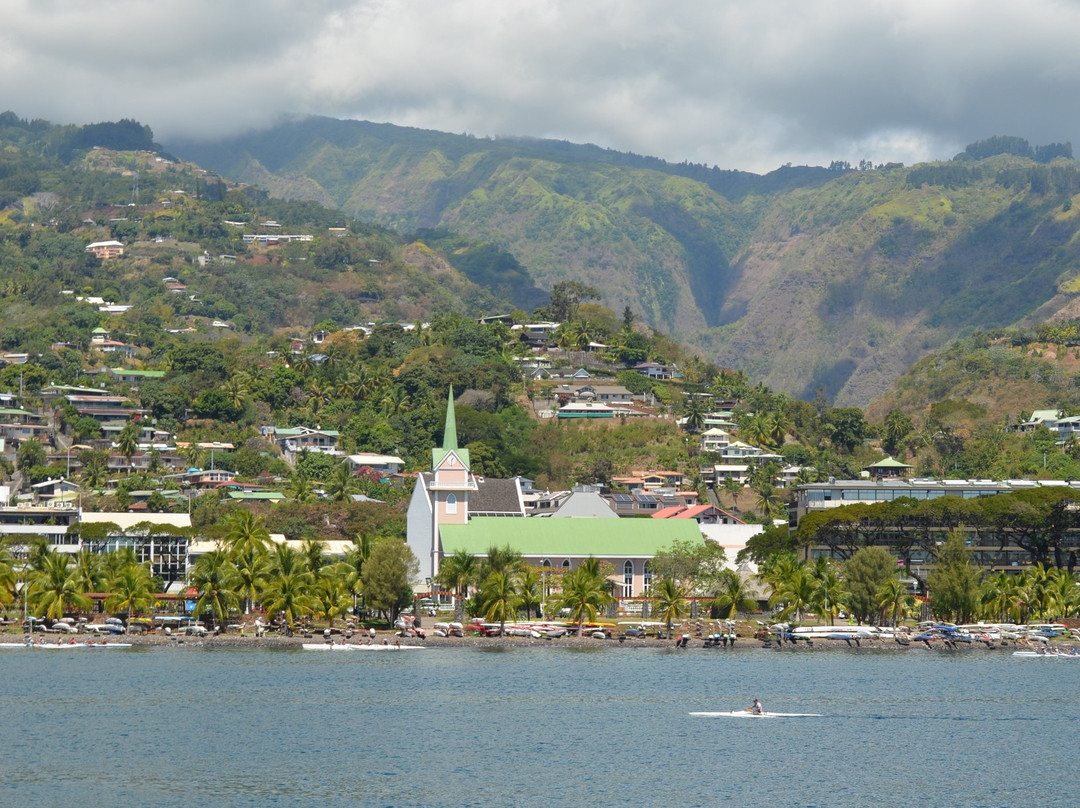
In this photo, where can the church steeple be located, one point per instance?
(449, 441)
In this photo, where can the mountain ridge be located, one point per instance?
(807, 277)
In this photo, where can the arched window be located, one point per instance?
(628, 578)
(646, 579)
(451, 503)
(566, 564)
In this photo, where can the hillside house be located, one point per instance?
(105, 250)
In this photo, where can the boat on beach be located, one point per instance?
(45, 646)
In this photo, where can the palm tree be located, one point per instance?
(343, 483)
(529, 585)
(500, 596)
(127, 442)
(88, 571)
(94, 469)
(695, 413)
(733, 595)
(733, 488)
(9, 578)
(131, 591)
(457, 572)
(584, 593)
(396, 401)
(244, 529)
(894, 601)
(300, 488)
(288, 588)
(252, 566)
(329, 598)
(796, 593)
(314, 552)
(237, 387)
(1064, 594)
(669, 601)
(53, 590)
(830, 597)
(213, 577)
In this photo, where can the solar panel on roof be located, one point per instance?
(646, 499)
(623, 498)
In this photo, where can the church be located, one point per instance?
(453, 509)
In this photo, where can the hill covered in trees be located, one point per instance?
(835, 277)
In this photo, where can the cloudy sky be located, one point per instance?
(750, 85)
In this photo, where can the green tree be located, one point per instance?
(213, 577)
(733, 595)
(584, 593)
(696, 565)
(342, 484)
(669, 601)
(865, 573)
(287, 590)
(127, 442)
(53, 591)
(30, 454)
(388, 576)
(244, 529)
(499, 596)
(457, 572)
(954, 583)
(131, 590)
(252, 567)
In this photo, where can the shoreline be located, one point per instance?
(234, 641)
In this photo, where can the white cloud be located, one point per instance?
(736, 84)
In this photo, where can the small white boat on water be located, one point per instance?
(748, 714)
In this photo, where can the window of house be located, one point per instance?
(646, 583)
(451, 503)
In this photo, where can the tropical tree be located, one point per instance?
(127, 442)
(499, 596)
(53, 591)
(1064, 593)
(131, 590)
(329, 597)
(669, 601)
(343, 483)
(584, 593)
(457, 572)
(213, 577)
(530, 589)
(733, 595)
(252, 567)
(9, 577)
(301, 488)
(733, 488)
(287, 590)
(795, 592)
(894, 602)
(830, 595)
(244, 529)
(695, 412)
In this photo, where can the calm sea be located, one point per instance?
(535, 727)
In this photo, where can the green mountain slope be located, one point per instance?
(805, 278)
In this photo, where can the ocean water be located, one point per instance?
(536, 727)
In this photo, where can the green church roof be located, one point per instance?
(536, 536)
(449, 442)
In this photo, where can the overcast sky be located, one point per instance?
(749, 85)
